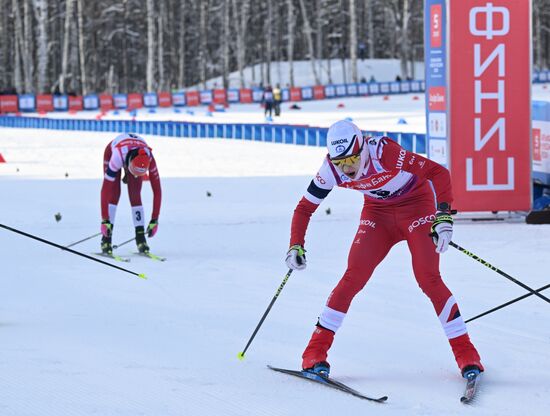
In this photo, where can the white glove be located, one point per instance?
(296, 257)
(442, 231)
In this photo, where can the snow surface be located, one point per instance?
(81, 338)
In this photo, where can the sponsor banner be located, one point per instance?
(206, 97)
(220, 96)
(295, 94)
(135, 101)
(341, 90)
(435, 87)
(179, 99)
(44, 103)
(330, 91)
(192, 98)
(60, 102)
(246, 95)
(8, 104)
(233, 95)
(106, 102)
(91, 102)
(27, 102)
(150, 99)
(318, 92)
(351, 89)
(415, 86)
(285, 94)
(395, 87)
(436, 99)
(541, 146)
(76, 103)
(307, 93)
(257, 95)
(374, 88)
(120, 101)
(164, 99)
(384, 87)
(363, 89)
(490, 120)
(438, 151)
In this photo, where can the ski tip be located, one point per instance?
(142, 276)
(240, 356)
(382, 399)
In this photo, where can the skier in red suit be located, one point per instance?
(129, 152)
(398, 205)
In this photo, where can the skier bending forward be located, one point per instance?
(398, 205)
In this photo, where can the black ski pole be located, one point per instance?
(84, 239)
(496, 308)
(125, 242)
(496, 269)
(241, 354)
(70, 250)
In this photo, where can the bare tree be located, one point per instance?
(66, 37)
(18, 45)
(309, 38)
(203, 41)
(150, 45)
(290, 41)
(240, 16)
(41, 15)
(181, 46)
(81, 48)
(162, 19)
(225, 44)
(353, 39)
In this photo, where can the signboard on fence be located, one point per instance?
(490, 97)
(478, 100)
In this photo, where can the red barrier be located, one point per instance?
(246, 95)
(75, 104)
(193, 98)
(220, 96)
(319, 92)
(165, 99)
(9, 104)
(295, 94)
(44, 103)
(135, 101)
(106, 102)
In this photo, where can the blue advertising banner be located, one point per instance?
(435, 47)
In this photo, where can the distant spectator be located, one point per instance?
(372, 79)
(409, 78)
(363, 80)
(268, 101)
(398, 78)
(277, 98)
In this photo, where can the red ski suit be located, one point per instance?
(398, 205)
(114, 161)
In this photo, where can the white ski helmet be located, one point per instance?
(345, 139)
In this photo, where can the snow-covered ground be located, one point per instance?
(81, 338)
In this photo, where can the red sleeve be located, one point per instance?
(106, 196)
(300, 221)
(395, 157)
(154, 178)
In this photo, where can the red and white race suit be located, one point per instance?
(114, 161)
(399, 204)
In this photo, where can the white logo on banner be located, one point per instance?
(438, 151)
(489, 32)
(437, 125)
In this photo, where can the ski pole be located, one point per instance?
(496, 308)
(70, 250)
(496, 269)
(84, 239)
(121, 244)
(241, 354)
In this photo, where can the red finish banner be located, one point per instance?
(193, 98)
(75, 103)
(165, 99)
(9, 104)
(490, 119)
(135, 100)
(44, 103)
(106, 102)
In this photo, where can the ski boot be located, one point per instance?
(466, 355)
(140, 240)
(106, 245)
(321, 369)
(315, 354)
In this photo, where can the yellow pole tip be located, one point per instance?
(142, 275)
(240, 356)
